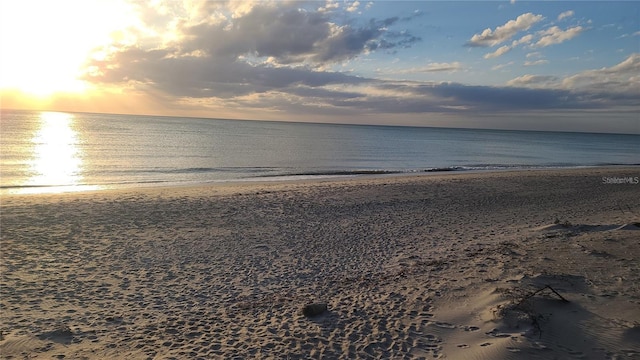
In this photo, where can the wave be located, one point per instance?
(460, 168)
(80, 186)
(242, 172)
(15, 186)
(135, 178)
(357, 172)
(195, 170)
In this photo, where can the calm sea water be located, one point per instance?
(52, 152)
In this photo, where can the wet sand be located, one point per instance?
(506, 265)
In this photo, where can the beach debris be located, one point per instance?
(565, 224)
(630, 226)
(541, 290)
(521, 309)
(61, 334)
(315, 309)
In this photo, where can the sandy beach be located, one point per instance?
(540, 264)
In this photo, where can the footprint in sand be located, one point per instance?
(471, 328)
(444, 325)
(496, 333)
(431, 343)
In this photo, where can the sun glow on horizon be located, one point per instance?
(46, 43)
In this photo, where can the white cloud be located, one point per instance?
(535, 81)
(620, 78)
(523, 40)
(506, 48)
(504, 32)
(618, 83)
(555, 35)
(353, 7)
(499, 52)
(543, 38)
(432, 67)
(536, 62)
(329, 6)
(632, 63)
(566, 14)
(502, 66)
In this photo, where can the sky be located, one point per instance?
(535, 65)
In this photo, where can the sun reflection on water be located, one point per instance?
(57, 160)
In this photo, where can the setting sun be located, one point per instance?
(46, 43)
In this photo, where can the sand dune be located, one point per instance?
(445, 266)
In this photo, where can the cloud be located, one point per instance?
(353, 7)
(504, 32)
(428, 68)
(329, 6)
(499, 52)
(551, 36)
(555, 35)
(408, 97)
(523, 40)
(533, 81)
(437, 67)
(256, 48)
(286, 32)
(506, 48)
(276, 57)
(536, 62)
(623, 36)
(566, 14)
(302, 90)
(415, 97)
(346, 42)
(194, 76)
(618, 85)
(620, 79)
(502, 66)
(231, 51)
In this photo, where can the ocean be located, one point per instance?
(44, 152)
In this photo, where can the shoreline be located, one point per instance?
(416, 267)
(630, 171)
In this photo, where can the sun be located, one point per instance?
(46, 43)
